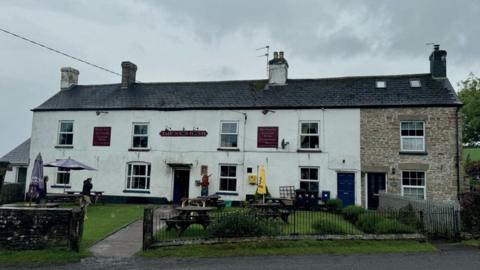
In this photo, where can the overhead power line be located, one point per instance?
(59, 52)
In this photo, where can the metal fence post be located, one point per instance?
(147, 227)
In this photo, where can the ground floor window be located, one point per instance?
(309, 179)
(413, 184)
(63, 176)
(138, 176)
(228, 178)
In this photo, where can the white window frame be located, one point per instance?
(412, 137)
(64, 172)
(140, 135)
(60, 132)
(413, 83)
(227, 177)
(309, 180)
(381, 84)
(147, 176)
(413, 186)
(236, 133)
(300, 134)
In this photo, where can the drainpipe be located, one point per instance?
(458, 152)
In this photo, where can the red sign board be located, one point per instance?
(267, 137)
(183, 133)
(101, 136)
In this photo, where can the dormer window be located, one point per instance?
(415, 83)
(380, 84)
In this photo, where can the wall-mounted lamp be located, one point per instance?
(100, 112)
(267, 111)
(393, 170)
(284, 143)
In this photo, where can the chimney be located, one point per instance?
(129, 71)
(277, 69)
(438, 63)
(69, 77)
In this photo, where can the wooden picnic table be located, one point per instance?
(213, 200)
(272, 210)
(63, 197)
(187, 216)
(96, 195)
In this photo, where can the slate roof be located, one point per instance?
(347, 92)
(19, 155)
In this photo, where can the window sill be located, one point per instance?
(60, 186)
(413, 153)
(227, 193)
(309, 151)
(139, 150)
(228, 149)
(136, 191)
(64, 146)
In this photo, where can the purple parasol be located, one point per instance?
(69, 164)
(36, 184)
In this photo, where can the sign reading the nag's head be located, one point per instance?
(183, 133)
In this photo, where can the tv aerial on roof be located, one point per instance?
(267, 48)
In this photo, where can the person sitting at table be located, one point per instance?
(85, 200)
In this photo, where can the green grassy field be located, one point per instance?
(473, 152)
(303, 247)
(102, 221)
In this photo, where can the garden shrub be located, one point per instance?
(367, 221)
(388, 226)
(243, 224)
(329, 226)
(408, 216)
(351, 213)
(334, 205)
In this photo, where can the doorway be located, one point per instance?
(22, 176)
(376, 182)
(181, 183)
(346, 188)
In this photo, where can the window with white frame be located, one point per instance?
(309, 135)
(413, 184)
(63, 177)
(309, 179)
(138, 176)
(65, 133)
(140, 135)
(412, 136)
(228, 178)
(229, 134)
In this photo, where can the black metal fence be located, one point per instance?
(165, 226)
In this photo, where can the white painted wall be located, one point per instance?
(340, 143)
(11, 175)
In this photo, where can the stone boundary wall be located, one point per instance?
(26, 228)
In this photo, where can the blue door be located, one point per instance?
(346, 188)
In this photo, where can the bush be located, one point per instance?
(329, 226)
(368, 220)
(392, 226)
(351, 213)
(243, 224)
(408, 216)
(334, 205)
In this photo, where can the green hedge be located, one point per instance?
(374, 222)
(243, 224)
(352, 212)
(334, 205)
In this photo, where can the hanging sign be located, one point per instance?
(101, 136)
(267, 137)
(184, 133)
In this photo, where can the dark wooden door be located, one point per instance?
(181, 181)
(376, 183)
(346, 188)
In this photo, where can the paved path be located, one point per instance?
(448, 258)
(126, 242)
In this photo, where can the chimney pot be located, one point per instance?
(275, 55)
(69, 77)
(129, 71)
(280, 55)
(277, 69)
(438, 62)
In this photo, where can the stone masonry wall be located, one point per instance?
(31, 228)
(380, 149)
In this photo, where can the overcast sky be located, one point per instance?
(216, 40)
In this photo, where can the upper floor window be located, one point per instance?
(228, 178)
(63, 177)
(380, 84)
(309, 179)
(415, 83)
(413, 184)
(309, 135)
(65, 133)
(140, 135)
(138, 176)
(412, 136)
(229, 134)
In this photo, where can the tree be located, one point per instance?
(470, 96)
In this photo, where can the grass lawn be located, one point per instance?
(290, 248)
(102, 221)
(475, 243)
(473, 152)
